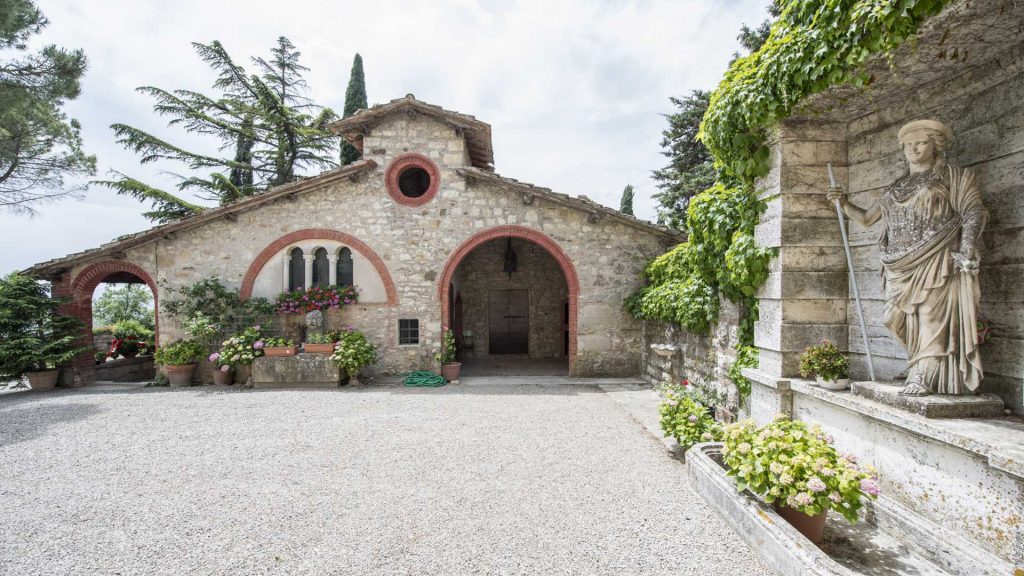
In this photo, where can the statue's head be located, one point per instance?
(935, 136)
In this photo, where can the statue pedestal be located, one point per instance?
(932, 406)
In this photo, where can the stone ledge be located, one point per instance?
(299, 371)
(933, 406)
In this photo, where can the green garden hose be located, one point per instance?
(424, 379)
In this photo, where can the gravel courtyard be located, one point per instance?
(380, 480)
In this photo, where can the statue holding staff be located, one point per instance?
(933, 220)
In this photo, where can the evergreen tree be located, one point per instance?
(39, 145)
(691, 169)
(268, 131)
(355, 99)
(626, 204)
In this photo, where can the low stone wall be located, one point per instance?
(671, 353)
(126, 370)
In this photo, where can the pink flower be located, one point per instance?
(692, 419)
(256, 327)
(225, 368)
(258, 345)
(870, 487)
(815, 484)
(214, 357)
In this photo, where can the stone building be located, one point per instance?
(432, 237)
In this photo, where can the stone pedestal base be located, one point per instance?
(299, 371)
(932, 406)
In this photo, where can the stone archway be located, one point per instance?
(533, 236)
(84, 284)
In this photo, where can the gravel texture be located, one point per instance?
(381, 480)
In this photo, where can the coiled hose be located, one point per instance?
(424, 379)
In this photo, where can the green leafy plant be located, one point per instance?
(325, 338)
(220, 305)
(746, 357)
(240, 349)
(685, 417)
(277, 342)
(825, 361)
(178, 353)
(792, 464)
(353, 352)
(446, 354)
(33, 336)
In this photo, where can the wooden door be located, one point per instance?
(509, 325)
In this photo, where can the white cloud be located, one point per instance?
(574, 89)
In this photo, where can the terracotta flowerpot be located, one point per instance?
(180, 376)
(43, 380)
(281, 351)
(812, 527)
(451, 371)
(222, 378)
(309, 348)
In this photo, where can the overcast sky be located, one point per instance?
(575, 91)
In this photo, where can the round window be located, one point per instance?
(412, 179)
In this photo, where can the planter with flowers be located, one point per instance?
(795, 468)
(827, 364)
(354, 352)
(320, 343)
(446, 356)
(688, 415)
(279, 347)
(302, 300)
(236, 355)
(179, 361)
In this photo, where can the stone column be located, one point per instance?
(804, 298)
(308, 281)
(286, 266)
(332, 274)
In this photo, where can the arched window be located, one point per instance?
(321, 268)
(296, 270)
(345, 273)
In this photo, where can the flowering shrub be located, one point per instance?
(306, 300)
(353, 352)
(824, 360)
(686, 413)
(129, 347)
(790, 463)
(240, 349)
(201, 327)
(446, 354)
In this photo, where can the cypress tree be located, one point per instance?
(355, 99)
(626, 205)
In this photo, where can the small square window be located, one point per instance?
(408, 332)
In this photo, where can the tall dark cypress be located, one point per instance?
(355, 99)
(626, 204)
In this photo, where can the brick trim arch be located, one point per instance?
(524, 233)
(319, 234)
(84, 285)
(411, 160)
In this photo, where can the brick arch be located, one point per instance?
(319, 234)
(524, 233)
(84, 285)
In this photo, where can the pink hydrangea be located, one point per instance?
(258, 345)
(225, 368)
(692, 419)
(870, 487)
(214, 357)
(815, 484)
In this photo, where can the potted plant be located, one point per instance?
(352, 353)
(179, 361)
(34, 339)
(279, 347)
(222, 371)
(236, 354)
(827, 364)
(795, 468)
(446, 356)
(320, 343)
(685, 417)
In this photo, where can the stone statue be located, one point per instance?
(933, 219)
(314, 322)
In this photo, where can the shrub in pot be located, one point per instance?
(796, 468)
(353, 352)
(321, 343)
(827, 364)
(34, 339)
(446, 356)
(179, 360)
(278, 347)
(685, 417)
(237, 354)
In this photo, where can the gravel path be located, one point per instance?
(456, 480)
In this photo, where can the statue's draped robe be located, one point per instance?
(931, 306)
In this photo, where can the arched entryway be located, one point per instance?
(83, 288)
(516, 291)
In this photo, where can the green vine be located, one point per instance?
(812, 46)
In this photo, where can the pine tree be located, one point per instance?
(691, 169)
(268, 131)
(626, 205)
(355, 99)
(39, 145)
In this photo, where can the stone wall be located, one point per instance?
(414, 243)
(538, 272)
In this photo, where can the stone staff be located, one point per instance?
(853, 278)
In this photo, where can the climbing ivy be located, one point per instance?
(812, 46)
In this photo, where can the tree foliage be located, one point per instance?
(355, 99)
(626, 204)
(119, 303)
(32, 335)
(39, 145)
(691, 169)
(267, 131)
